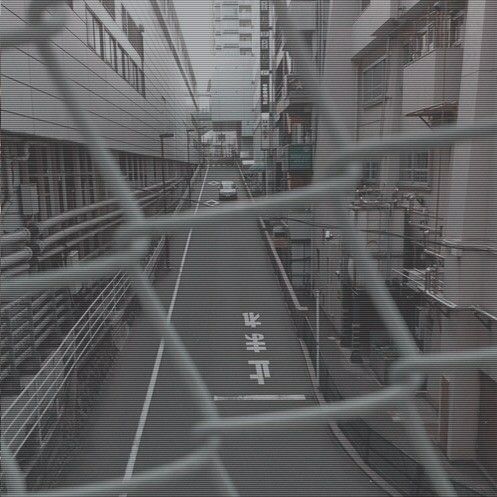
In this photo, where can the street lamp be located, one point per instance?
(162, 136)
(190, 171)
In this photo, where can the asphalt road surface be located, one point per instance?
(230, 313)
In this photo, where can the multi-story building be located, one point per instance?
(235, 26)
(293, 137)
(398, 66)
(235, 42)
(127, 63)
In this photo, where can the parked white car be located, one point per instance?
(228, 190)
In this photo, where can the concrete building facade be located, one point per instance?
(428, 217)
(128, 64)
(235, 27)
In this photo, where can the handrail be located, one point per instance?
(84, 332)
(65, 216)
(21, 235)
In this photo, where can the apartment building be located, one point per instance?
(128, 64)
(428, 218)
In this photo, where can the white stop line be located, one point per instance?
(259, 397)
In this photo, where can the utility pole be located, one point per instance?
(189, 166)
(318, 333)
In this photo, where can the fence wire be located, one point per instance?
(409, 368)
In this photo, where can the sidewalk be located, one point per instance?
(352, 380)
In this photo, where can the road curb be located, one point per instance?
(340, 436)
(335, 430)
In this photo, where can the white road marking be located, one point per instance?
(251, 319)
(255, 342)
(259, 397)
(262, 371)
(213, 183)
(211, 203)
(158, 358)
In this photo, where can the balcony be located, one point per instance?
(379, 16)
(432, 81)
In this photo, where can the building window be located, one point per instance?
(245, 23)
(414, 168)
(110, 50)
(246, 37)
(245, 51)
(371, 171)
(230, 10)
(422, 43)
(123, 58)
(135, 36)
(87, 177)
(110, 7)
(427, 39)
(94, 33)
(142, 83)
(457, 28)
(245, 9)
(373, 83)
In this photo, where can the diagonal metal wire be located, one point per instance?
(406, 373)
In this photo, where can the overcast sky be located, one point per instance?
(194, 16)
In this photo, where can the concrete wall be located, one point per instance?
(461, 186)
(433, 79)
(471, 278)
(370, 20)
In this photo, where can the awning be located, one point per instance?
(257, 168)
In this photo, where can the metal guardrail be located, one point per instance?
(27, 414)
(132, 240)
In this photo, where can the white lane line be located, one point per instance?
(259, 397)
(158, 358)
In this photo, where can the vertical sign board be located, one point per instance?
(265, 72)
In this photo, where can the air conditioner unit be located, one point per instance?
(72, 259)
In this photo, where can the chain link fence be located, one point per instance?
(133, 241)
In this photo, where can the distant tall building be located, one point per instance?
(235, 42)
(235, 27)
